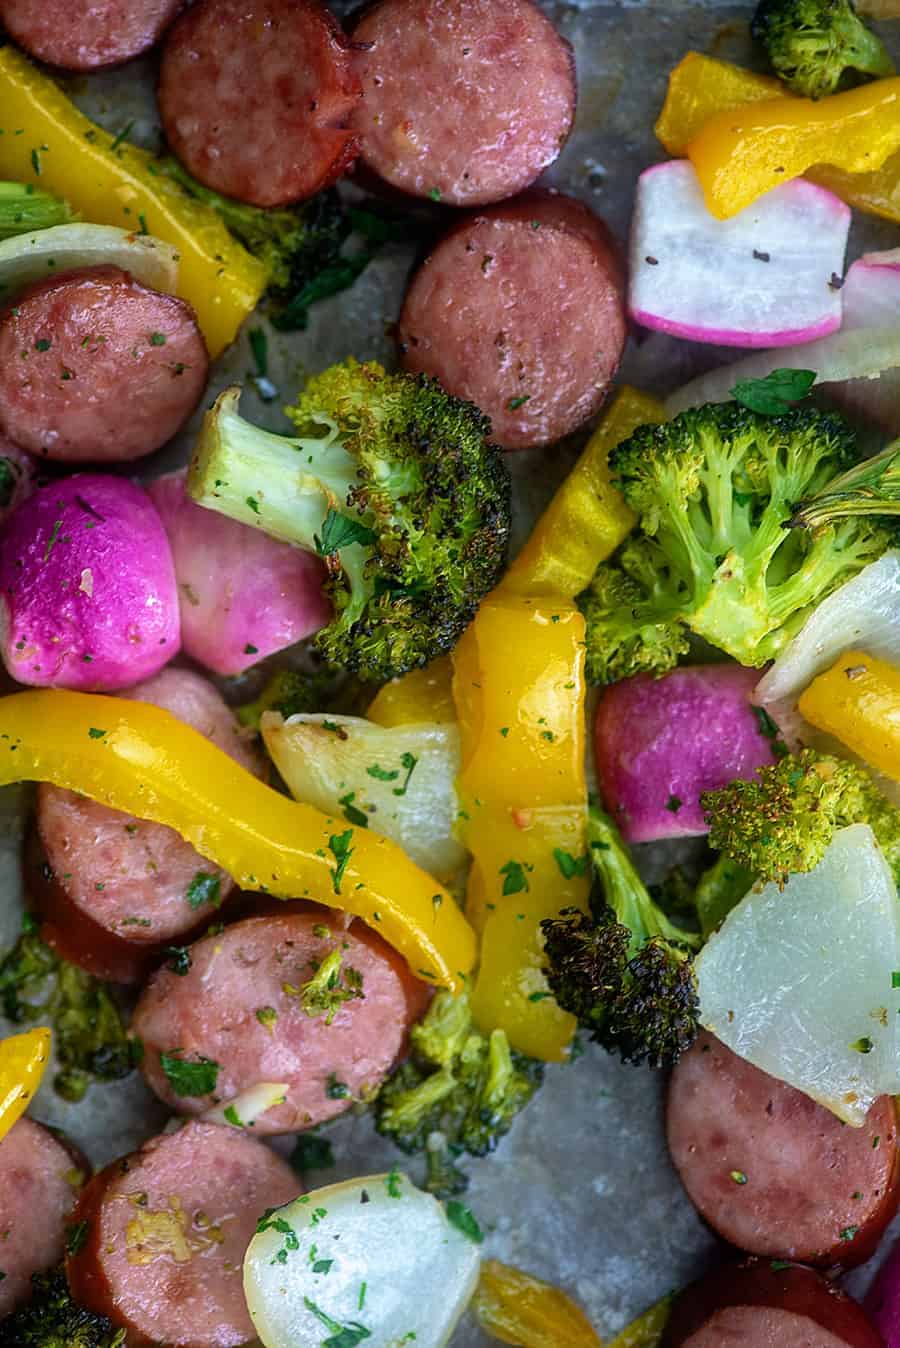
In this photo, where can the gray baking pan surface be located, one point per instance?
(582, 1192)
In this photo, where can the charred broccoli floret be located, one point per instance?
(626, 971)
(89, 1032)
(53, 1320)
(458, 1092)
(393, 483)
(811, 43)
(869, 488)
(784, 820)
(714, 490)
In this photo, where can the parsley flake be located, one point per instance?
(189, 1077)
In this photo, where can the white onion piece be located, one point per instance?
(325, 767)
(244, 1109)
(388, 1261)
(47, 252)
(799, 982)
(864, 353)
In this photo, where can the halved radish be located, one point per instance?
(770, 276)
(872, 300)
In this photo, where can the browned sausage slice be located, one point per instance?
(255, 97)
(167, 1229)
(239, 1006)
(520, 310)
(119, 888)
(87, 34)
(767, 1304)
(97, 368)
(773, 1172)
(39, 1183)
(464, 101)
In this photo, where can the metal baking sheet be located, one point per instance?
(581, 1192)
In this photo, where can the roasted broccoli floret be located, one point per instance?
(719, 889)
(329, 988)
(393, 483)
(293, 692)
(458, 1092)
(626, 971)
(714, 490)
(784, 819)
(89, 1033)
(811, 43)
(53, 1320)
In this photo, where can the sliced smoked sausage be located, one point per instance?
(464, 101)
(255, 97)
(773, 1172)
(767, 1304)
(39, 1183)
(520, 310)
(114, 889)
(167, 1229)
(87, 34)
(239, 1006)
(97, 368)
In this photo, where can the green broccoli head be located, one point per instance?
(459, 1092)
(626, 972)
(53, 1320)
(783, 821)
(811, 43)
(714, 490)
(393, 483)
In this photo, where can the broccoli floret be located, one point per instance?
(458, 1092)
(811, 43)
(293, 692)
(784, 820)
(53, 1320)
(330, 986)
(719, 889)
(714, 490)
(393, 483)
(24, 209)
(626, 971)
(89, 1032)
(869, 488)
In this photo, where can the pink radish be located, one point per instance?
(882, 1300)
(872, 300)
(659, 743)
(87, 586)
(770, 276)
(17, 474)
(243, 595)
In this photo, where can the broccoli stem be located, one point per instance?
(24, 208)
(869, 488)
(719, 889)
(624, 890)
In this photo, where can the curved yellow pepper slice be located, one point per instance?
(587, 518)
(858, 701)
(517, 1308)
(23, 1062)
(422, 695)
(137, 758)
(647, 1330)
(45, 139)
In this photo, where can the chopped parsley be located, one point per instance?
(773, 396)
(738, 1176)
(267, 1016)
(408, 762)
(122, 136)
(253, 504)
(157, 339)
(515, 880)
(340, 531)
(339, 846)
(461, 1217)
(515, 403)
(76, 1237)
(312, 1153)
(189, 1077)
(94, 733)
(336, 1089)
(381, 774)
(339, 1336)
(570, 866)
(230, 1115)
(863, 1045)
(351, 812)
(394, 1184)
(674, 804)
(204, 888)
(178, 960)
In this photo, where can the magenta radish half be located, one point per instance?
(770, 276)
(659, 743)
(872, 300)
(243, 595)
(87, 586)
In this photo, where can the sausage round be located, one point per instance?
(116, 888)
(255, 97)
(39, 1184)
(520, 309)
(464, 101)
(238, 1005)
(88, 34)
(97, 368)
(766, 1304)
(167, 1228)
(773, 1172)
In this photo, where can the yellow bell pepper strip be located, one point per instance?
(23, 1062)
(421, 695)
(46, 140)
(519, 689)
(587, 518)
(858, 702)
(140, 759)
(517, 1308)
(700, 87)
(647, 1330)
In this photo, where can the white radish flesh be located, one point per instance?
(769, 276)
(871, 298)
(33, 257)
(374, 1254)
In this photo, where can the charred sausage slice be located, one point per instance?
(87, 34)
(39, 1182)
